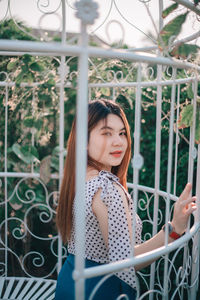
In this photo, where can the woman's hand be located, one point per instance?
(183, 208)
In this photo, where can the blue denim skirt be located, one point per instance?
(109, 290)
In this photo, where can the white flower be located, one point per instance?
(87, 11)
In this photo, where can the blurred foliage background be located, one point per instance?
(33, 129)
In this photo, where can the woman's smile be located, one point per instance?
(116, 153)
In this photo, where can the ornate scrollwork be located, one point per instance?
(28, 196)
(87, 11)
(38, 260)
(21, 232)
(148, 73)
(2, 267)
(48, 6)
(4, 76)
(55, 252)
(52, 200)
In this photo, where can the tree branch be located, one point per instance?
(189, 5)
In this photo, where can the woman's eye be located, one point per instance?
(107, 133)
(123, 133)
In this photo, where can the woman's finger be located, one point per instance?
(186, 202)
(191, 208)
(186, 192)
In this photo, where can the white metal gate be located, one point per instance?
(179, 280)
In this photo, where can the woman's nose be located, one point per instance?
(117, 140)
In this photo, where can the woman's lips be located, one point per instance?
(116, 153)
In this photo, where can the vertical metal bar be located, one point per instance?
(64, 35)
(191, 164)
(169, 174)
(192, 137)
(157, 166)
(113, 94)
(195, 248)
(160, 15)
(136, 144)
(196, 240)
(6, 182)
(89, 94)
(81, 162)
(33, 132)
(177, 140)
(158, 151)
(61, 123)
(61, 146)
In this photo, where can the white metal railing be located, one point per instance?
(187, 273)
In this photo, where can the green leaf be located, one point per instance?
(28, 121)
(74, 82)
(38, 124)
(33, 151)
(15, 203)
(186, 117)
(29, 77)
(27, 58)
(105, 91)
(11, 65)
(197, 132)
(45, 169)
(19, 78)
(190, 93)
(184, 50)
(25, 69)
(38, 67)
(44, 97)
(172, 28)
(40, 196)
(27, 154)
(169, 9)
(56, 151)
(51, 82)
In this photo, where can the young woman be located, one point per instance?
(109, 207)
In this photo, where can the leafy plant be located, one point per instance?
(186, 119)
(180, 50)
(169, 33)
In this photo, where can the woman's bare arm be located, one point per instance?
(184, 206)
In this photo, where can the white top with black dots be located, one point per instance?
(119, 245)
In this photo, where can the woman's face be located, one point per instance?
(108, 142)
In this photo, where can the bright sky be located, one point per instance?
(133, 11)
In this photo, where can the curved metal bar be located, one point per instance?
(111, 84)
(140, 259)
(29, 47)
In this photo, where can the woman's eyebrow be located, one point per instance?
(106, 127)
(110, 128)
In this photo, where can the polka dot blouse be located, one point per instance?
(119, 245)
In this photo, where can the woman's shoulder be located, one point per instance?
(107, 182)
(101, 177)
(104, 181)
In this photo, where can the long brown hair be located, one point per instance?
(97, 110)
